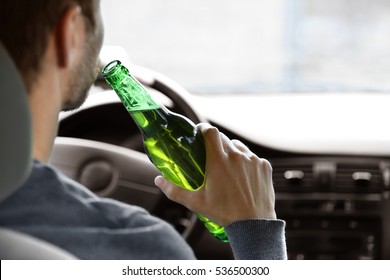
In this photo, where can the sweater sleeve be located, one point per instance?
(257, 239)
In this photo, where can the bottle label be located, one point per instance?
(132, 94)
(136, 98)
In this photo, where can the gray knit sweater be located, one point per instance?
(57, 209)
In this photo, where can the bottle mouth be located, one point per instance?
(111, 68)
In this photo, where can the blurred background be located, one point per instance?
(257, 45)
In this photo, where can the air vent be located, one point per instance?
(293, 178)
(336, 175)
(360, 178)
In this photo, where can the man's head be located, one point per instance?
(27, 26)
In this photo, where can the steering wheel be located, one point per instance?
(111, 169)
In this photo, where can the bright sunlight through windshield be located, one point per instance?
(257, 46)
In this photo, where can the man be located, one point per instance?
(55, 46)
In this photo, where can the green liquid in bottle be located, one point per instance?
(171, 141)
(180, 159)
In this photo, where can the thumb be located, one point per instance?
(174, 192)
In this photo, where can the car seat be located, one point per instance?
(15, 162)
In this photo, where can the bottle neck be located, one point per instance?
(134, 96)
(148, 115)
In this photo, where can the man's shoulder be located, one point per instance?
(47, 178)
(53, 207)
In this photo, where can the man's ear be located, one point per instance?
(69, 36)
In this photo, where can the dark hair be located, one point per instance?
(25, 26)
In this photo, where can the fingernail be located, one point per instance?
(159, 181)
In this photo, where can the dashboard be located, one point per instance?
(331, 167)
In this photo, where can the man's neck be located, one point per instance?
(45, 105)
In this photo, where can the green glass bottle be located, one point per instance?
(171, 141)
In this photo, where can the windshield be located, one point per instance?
(257, 46)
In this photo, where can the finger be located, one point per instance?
(228, 145)
(243, 148)
(212, 138)
(174, 192)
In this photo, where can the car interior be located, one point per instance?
(329, 150)
(333, 194)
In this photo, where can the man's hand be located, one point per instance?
(238, 184)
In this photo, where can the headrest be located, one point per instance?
(15, 127)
